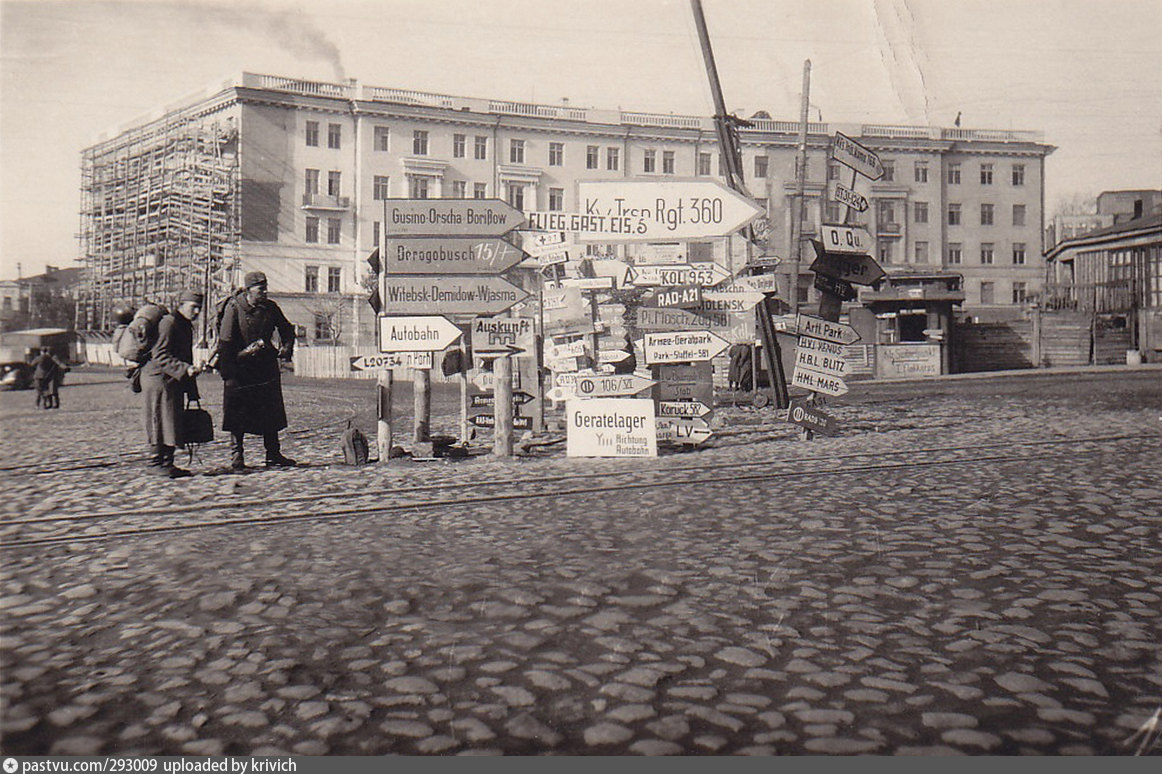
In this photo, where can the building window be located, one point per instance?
(375, 234)
(379, 187)
(921, 171)
(313, 134)
(886, 214)
(334, 136)
(986, 214)
(760, 166)
(334, 279)
(988, 292)
(831, 212)
(516, 151)
(312, 229)
(667, 162)
(889, 172)
(556, 199)
(1019, 292)
(833, 171)
(986, 253)
(650, 161)
(481, 148)
(382, 138)
(591, 155)
(479, 190)
(885, 250)
(459, 142)
(921, 252)
(311, 181)
(556, 154)
(311, 279)
(516, 195)
(420, 142)
(986, 174)
(1019, 253)
(1018, 174)
(1018, 214)
(612, 159)
(954, 214)
(322, 325)
(334, 180)
(418, 187)
(954, 173)
(460, 189)
(333, 227)
(920, 211)
(955, 252)
(704, 163)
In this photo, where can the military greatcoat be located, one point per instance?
(252, 387)
(165, 382)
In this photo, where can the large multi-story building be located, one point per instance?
(287, 176)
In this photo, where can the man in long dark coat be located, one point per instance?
(166, 379)
(248, 362)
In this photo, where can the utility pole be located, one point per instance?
(800, 190)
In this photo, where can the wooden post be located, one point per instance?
(502, 407)
(465, 427)
(383, 415)
(423, 406)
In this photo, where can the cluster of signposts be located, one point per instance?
(442, 276)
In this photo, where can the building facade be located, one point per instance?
(289, 176)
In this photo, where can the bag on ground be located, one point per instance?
(197, 423)
(355, 446)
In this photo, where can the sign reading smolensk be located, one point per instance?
(682, 346)
(651, 211)
(429, 333)
(610, 427)
(450, 217)
(408, 294)
(449, 255)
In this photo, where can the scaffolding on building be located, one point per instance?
(159, 214)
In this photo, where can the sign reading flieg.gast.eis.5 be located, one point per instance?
(610, 427)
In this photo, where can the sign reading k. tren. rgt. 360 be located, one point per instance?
(650, 211)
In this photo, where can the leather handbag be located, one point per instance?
(197, 424)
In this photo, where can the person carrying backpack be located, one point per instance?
(167, 377)
(252, 401)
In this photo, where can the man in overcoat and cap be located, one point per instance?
(252, 400)
(166, 379)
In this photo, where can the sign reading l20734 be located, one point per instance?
(450, 217)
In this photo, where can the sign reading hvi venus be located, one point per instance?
(651, 211)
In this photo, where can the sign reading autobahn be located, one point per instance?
(430, 333)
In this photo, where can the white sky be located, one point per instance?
(1088, 73)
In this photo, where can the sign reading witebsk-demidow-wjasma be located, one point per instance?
(611, 427)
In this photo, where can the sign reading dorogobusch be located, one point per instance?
(851, 154)
(417, 360)
(610, 427)
(824, 329)
(682, 346)
(449, 255)
(450, 217)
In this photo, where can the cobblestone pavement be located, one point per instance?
(967, 569)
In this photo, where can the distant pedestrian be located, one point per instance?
(47, 375)
(167, 379)
(252, 401)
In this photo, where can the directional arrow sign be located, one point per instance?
(651, 211)
(829, 331)
(729, 301)
(537, 243)
(682, 408)
(488, 420)
(841, 289)
(817, 381)
(844, 195)
(818, 361)
(845, 239)
(502, 335)
(759, 283)
(449, 255)
(705, 274)
(489, 399)
(682, 346)
(691, 431)
(449, 294)
(611, 355)
(681, 297)
(860, 269)
(823, 347)
(416, 334)
(393, 360)
(450, 217)
(610, 386)
(804, 414)
(851, 154)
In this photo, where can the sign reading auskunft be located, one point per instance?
(502, 335)
(610, 427)
(450, 217)
(449, 255)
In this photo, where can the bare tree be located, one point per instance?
(1076, 203)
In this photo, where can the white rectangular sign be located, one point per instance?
(845, 239)
(610, 427)
(682, 346)
(851, 154)
(818, 361)
(817, 381)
